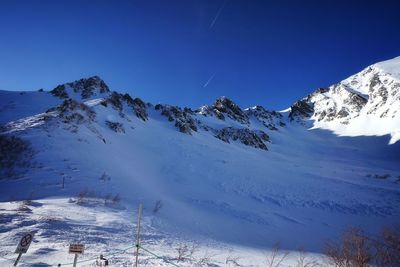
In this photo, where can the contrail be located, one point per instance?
(209, 80)
(218, 13)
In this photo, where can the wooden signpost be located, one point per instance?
(23, 246)
(76, 249)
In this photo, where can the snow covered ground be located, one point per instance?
(229, 197)
(226, 200)
(110, 231)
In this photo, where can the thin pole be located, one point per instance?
(75, 259)
(17, 260)
(63, 182)
(138, 235)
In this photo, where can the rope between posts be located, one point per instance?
(106, 255)
(158, 257)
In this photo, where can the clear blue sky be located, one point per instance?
(256, 52)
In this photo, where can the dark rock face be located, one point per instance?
(183, 119)
(380, 97)
(396, 90)
(270, 119)
(227, 106)
(72, 111)
(356, 101)
(244, 135)
(224, 107)
(87, 87)
(210, 111)
(60, 91)
(138, 106)
(343, 113)
(116, 126)
(263, 135)
(117, 101)
(374, 82)
(301, 109)
(319, 91)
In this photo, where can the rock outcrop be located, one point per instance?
(224, 107)
(243, 135)
(183, 119)
(270, 119)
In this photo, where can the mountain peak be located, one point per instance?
(94, 82)
(358, 105)
(226, 106)
(86, 88)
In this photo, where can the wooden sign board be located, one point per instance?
(76, 248)
(24, 243)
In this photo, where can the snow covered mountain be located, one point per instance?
(244, 177)
(367, 103)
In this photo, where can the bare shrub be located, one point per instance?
(183, 252)
(186, 252)
(157, 206)
(15, 154)
(388, 247)
(232, 260)
(192, 250)
(82, 196)
(304, 261)
(276, 258)
(205, 260)
(105, 177)
(355, 250)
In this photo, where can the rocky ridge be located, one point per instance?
(374, 94)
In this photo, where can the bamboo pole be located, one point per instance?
(138, 235)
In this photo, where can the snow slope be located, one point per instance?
(235, 181)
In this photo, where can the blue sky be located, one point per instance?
(189, 52)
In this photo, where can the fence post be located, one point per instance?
(138, 234)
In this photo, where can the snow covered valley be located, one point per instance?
(224, 182)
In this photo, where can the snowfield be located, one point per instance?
(230, 183)
(110, 231)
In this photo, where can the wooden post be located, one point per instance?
(18, 258)
(75, 259)
(138, 235)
